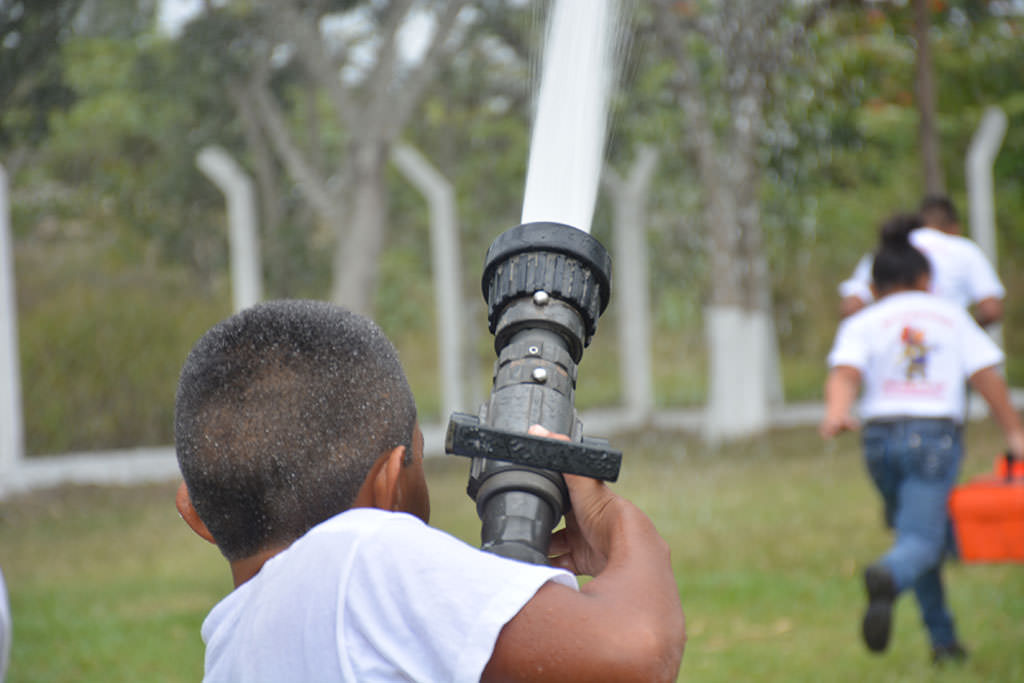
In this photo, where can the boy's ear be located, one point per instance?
(381, 488)
(183, 502)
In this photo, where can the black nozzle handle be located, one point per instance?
(545, 284)
(591, 458)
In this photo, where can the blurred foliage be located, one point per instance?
(121, 252)
(31, 69)
(102, 342)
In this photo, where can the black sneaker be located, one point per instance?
(954, 652)
(877, 622)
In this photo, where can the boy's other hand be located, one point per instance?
(626, 624)
(591, 524)
(582, 546)
(833, 425)
(1015, 443)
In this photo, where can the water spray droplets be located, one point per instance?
(570, 124)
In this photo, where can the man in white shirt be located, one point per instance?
(960, 270)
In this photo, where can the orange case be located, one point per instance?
(988, 515)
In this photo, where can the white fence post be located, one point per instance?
(981, 156)
(246, 278)
(12, 440)
(629, 195)
(444, 245)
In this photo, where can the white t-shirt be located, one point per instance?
(914, 350)
(960, 270)
(365, 596)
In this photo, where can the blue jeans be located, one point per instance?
(914, 464)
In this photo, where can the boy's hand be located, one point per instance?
(626, 624)
(833, 425)
(1015, 443)
(841, 387)
(582, 546)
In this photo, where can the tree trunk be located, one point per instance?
(925, 90)
(738, 322)
(360, 243)
(265, 171)
(756, 275)
(738, 334)
(375, 109)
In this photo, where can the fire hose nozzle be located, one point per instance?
(546, 285)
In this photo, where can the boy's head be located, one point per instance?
(282, 411)
(937, 211)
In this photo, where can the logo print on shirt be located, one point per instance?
(915, 351)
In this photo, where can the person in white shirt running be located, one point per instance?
(960, 271)
(909, 355)
(302, 460)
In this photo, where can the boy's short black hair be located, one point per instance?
(281, 411)
(938, 211)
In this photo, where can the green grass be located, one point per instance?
(768, 538)
(106, 584)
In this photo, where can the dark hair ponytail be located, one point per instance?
(897, 263)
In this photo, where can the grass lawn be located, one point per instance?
(768, 540)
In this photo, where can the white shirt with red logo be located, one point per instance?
(960, 270)
(914, 350)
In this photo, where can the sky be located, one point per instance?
(175, 13)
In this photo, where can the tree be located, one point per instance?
(32, 81)
(740, 45)
(925, 15)
(348, 57)
(924, 88)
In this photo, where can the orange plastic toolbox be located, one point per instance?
(988, 514)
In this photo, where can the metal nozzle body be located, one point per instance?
(546, 284)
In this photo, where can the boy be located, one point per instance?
(912, 351)
(302, 460)
(960, 271)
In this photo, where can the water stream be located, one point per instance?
(581, 50)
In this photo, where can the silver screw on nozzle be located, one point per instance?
(540, 375)
(541, 298)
